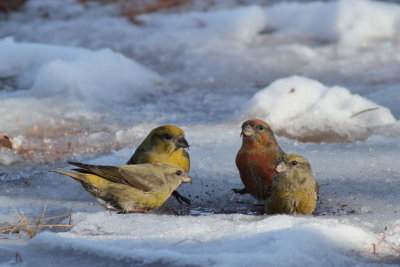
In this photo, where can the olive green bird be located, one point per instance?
(293, 190)
(164, 144)
(129, 188)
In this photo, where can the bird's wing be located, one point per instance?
(136, 156)
(140, 177)
(143, 176)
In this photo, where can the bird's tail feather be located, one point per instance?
(85, 177)
(75, 175)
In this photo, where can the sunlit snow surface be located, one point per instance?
(79, 82)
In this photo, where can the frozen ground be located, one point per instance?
(79, 82)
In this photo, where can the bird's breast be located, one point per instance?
(256, 171)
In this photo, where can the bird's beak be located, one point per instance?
(187, 179)
(182, 143)
(281, 167)
(247, 131)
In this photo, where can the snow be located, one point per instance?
(346, 21)
(240, 25)
(306, 109)
(48, 70)
(83, 83)
(217, 240)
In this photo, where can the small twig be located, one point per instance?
(375, 246)
(383, 240)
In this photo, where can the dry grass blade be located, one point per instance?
(32, 227)
(363, 111)
(55, 217)
(41, 216)
(70, 217)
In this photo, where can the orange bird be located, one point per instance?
(257, 158)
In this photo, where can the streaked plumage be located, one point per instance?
(293, 190)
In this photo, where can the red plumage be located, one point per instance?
(257, 158)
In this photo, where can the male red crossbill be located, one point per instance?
(294, 189)
(257, 158)
(164, 144)
(129, 188)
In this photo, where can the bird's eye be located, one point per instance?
(260, 127)
(168, 136)
(294, 162)
(179, 173)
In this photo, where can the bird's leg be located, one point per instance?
(133, 211)
(181, 198)
(241, 191)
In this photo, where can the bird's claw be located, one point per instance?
(240, 191)
(133, 211)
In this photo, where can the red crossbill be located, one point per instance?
(164, 144)
(257, 158)
(294, 189)
(129, 188)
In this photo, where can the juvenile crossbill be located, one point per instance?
(257, 158)
(164, 144)
(294, 189)
(129, 188)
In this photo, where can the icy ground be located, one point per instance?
(80, 82)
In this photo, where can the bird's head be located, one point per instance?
(175, 176)
(296, 166)
(257, 131)
(168, 137)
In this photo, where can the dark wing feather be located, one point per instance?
(147, 181)
(135, 157)
(110, 173)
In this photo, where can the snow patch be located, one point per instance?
(307, 110)
(151, 239)
(240, 25)
(96, 78)
(345, 21)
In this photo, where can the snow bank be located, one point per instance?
(75, 73)
(346, 21)
(305, 109)
(241, 25)
(218, 240)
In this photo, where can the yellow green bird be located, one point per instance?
(129, 188)
(293, 190)
(164, 144)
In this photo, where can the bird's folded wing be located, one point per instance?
(133, 175)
